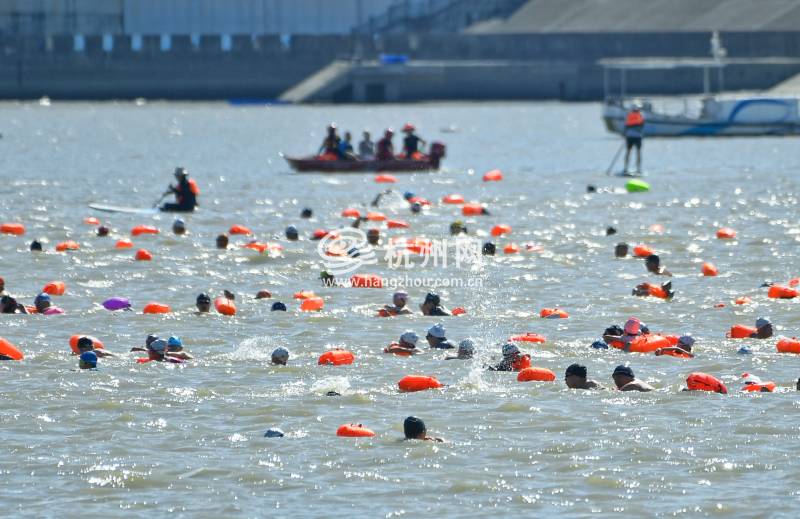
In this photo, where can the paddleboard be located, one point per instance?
(628, 174)
(107, 208)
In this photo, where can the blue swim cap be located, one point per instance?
(89, 357)
(174, 341)
(278, 306)
(744, 350)
(44, 296)
(273, 432)
(599, 345)
(408, 194)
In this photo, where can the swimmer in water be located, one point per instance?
(2, 286)
(36, 246)
(157, 351)
(763, 329)
(306, 213)
(222, 241)
(277, 306)
(433, 306)
(437, 339)
(683, 348)
(280, 356)
(179, 227)
(488, 249)
(203, 303)
(88, 360)
(626, 381)
(9, 305)
(102, 231)
(398, 307)
(414, 429)
(406, 345)
(85, 345)
(263, 294)
(466, 350)
(576, 378)
(511, 356)
(646, 289)
(44, 305)
(633, 328)
(175, 349)
(291, 233)
(374, 237)
(457, 228)
(147, 342)
(653, 265)
(621, 250)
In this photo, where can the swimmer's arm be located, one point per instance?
(137, 348)
(101, 353)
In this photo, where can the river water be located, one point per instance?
(188, 440)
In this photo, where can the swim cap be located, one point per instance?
(437, 330)
(42, 297)
(686, 340)
(291, 232)
(416, 207)
(158, 345)
(762, 322)
(466, 346)
(181, 172)
(409, 338)
(278, 306)
(89, 358)
(263, 294)
(36, 245)
(400, 295)
(204, 298)
(744, 350)
(179, 223)
(174, 342)
(610, 231)
(408, 194)
(280, 355)
(306, 213)
(85, 342)
(488, 249)
(599, 345)
(510, 349)
(623, 370)
(633, 326)
(577, 370)
(273, 432)
(413, 427)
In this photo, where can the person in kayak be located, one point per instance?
(634, 132)
(411, 143)
(346, 147)
(330, 145)
(185, 193)
(385, 149)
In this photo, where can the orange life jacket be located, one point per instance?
(634, 119)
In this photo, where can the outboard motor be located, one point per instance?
(438, 152)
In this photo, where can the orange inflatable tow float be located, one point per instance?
(123, 243)
(494, 175)
(453, 199)
(225, 306)
(73, 343)
(704, 382)
(536, 374)
(17, 229)
(10, 351)
(240, 230)
(755, 384)
(385, 179)
(412, 383)
(785, 345)
(143, 255)
(354, 430)
(55, 288)
(473, 209)
(511, 248)
(351, 212)
(740, 331)
(156, 308)
(726, 233)
(648, 343)
(312, 304)
(553, 313)
(528, 337)
(501, 229)
(642, 251)
(67, 245)
(336, 358)
(781, 292)
(708, 269)
(397, 224)
(143, 229)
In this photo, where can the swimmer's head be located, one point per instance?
(373, 236)
(85, 344)
(274, 432)
(686, 342)
(599, 345)
(102, 231)
(277, 306)
(457, 228)
(621, 250)
(414, 428)
(591, 189)
(416, 207)
(436, 334)
(409, 339)
(203, 303)
(306, 213)
(88, 360)
(652, 262)
(222, 241)
(400, 299)
(42, 302)
(633, 326)
(610, 231)
(466, 349)
(408, 195)
(291, 233)
(432, 299)
(174, 344)
(575, 376)
(280, 356)
(622, 375)
(179, 226)
(263, 294)
(510, 350)
(488, 249)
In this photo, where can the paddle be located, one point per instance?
(160, 199)
(616, 156)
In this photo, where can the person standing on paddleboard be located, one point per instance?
(185, 192)
(634, 132)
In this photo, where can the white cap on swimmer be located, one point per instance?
(437, 330)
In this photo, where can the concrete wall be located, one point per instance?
(547, 66)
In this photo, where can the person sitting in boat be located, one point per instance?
(185, 193)
(634, 132)
(385, 149)
(346, 147)
(411, 143)
(330, 146)
(366, 148)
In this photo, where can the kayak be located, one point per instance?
(326, 165)
(106, 208)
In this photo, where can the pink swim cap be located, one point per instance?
(633, 326)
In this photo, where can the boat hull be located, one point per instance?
(313, 165)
